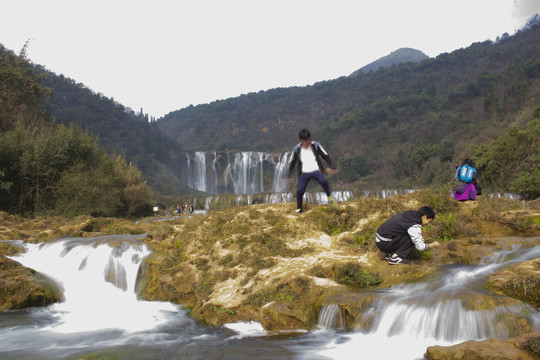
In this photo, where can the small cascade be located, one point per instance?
(99, 280)
(331, 317)
(450, 307)
(317, 198)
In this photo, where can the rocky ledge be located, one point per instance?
(263, 263)
(525, 347)
(21, 287)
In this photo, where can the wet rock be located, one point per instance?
(279, 315)
(354, 308)
(22, 287)
(521, 281)
(525, 347)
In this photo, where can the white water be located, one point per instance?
(98, 276)
(101, 311)
(408, 318)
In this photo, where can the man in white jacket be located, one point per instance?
(307, 154)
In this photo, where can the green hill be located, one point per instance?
(119, 130)
(396, 126)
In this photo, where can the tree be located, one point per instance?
(512, 161)
(21, 92)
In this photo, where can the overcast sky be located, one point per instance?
(164, 55)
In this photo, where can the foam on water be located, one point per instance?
(98, 277)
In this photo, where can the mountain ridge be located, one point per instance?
(396, 126)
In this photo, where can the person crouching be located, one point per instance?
(397, 235)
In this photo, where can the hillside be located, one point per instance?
(403, 55)
(393, 127)
(119, 130)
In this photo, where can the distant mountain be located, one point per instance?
(399, 56)
(397, 126)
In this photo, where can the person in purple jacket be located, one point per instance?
(397, 235)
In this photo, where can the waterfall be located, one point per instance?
(449, 307)
(189, 173)
(199, 171)
(248, 173)
(330, 317)
(281, 172)
(99, 279)
(214, 188)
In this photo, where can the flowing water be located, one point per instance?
(101, 314)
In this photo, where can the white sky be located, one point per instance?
(164, 55)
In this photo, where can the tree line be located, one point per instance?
(403, 126)
(50, 168)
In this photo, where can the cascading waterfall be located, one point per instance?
(190, 176)
(98, 276)
(449, 308)
(281, 172)
(247, 175)
(214, 188)
(101, 313)
(244, 175)
(199, 171)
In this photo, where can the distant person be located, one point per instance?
(465, 186)
(397, 235)
(307, 156)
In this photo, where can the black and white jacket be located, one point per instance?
(405, 223)
(319, 152)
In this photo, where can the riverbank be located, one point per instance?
(265, 264)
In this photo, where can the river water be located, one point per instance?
(101, 315)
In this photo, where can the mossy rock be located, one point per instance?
(22, 287)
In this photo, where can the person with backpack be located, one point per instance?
(307, 156)
(397, 235)
(465, 186)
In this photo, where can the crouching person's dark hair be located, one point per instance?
(427, 210)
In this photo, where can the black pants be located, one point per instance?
(303, 182)
(401, 245)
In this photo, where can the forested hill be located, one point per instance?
(119, 130)
(396, 126)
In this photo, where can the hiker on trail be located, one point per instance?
(308, 155)
(465, 186)
(397, 235)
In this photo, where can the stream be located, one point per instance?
(101, 315)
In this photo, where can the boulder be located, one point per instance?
(525, 347)
(22, 287)
(521, 281)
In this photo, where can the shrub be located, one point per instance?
(353, 275)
